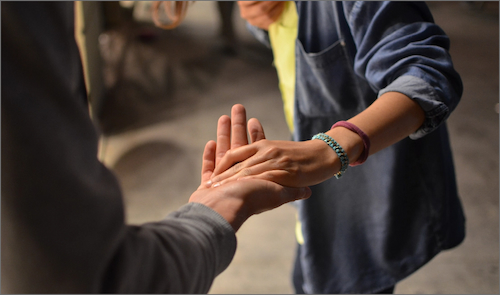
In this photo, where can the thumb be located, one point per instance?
(208, 163)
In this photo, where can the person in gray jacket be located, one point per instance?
(63, 228)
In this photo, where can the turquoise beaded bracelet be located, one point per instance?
(344, 160)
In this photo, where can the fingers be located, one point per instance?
(237, 201)
(275, 12)
(251, 168)
(238, 126)
(234, 156)
(267, 170)
(223, 138)
(232, 133)
(255, 9)
(255, 130)
(208, 163)
(232, 136)
(261, 13)
(262, 195)
(247, 3)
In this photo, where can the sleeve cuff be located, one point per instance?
(423, 93)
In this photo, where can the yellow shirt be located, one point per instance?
(282, 35)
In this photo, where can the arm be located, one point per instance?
(237, 201)
(63, 225)
(417, 84)
(400, 49)
(63, 228)
(392, 117)
(389, 119)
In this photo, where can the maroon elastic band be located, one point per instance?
(366, 141)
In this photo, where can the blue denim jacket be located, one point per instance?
(386, 218)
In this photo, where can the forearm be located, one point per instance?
(64, 209)
(392, 117)
(181, 254)
(407, 53)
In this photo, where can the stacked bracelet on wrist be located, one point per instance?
(366, 140)
(344, 160)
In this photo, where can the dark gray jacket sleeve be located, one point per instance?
(63, 227)
(181, 254)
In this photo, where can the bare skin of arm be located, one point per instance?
(392, 117)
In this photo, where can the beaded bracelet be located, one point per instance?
(344, 160)
(366, 140)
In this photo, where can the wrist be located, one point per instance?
(350, 141)
(231, 209)
(326, 159)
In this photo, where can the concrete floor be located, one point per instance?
(166, 94)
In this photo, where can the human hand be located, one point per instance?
(232, 132)
(289, 163)
(237, 201)
(237, 126)
(261, 13)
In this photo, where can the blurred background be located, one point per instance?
(157, 95)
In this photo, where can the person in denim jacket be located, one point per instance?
(383, 67)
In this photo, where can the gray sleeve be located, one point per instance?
(181, 254)
(62, 211)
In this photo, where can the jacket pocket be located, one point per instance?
(326, 84)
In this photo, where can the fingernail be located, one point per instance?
(208, 183)
(216, 185)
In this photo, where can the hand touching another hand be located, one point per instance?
(261, 13)
(232, 132)
(238, 200)
(289, 163)
(225, 127)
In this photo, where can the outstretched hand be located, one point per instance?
(289, 163)
(232, 132)
(238, 200)
(226, 126)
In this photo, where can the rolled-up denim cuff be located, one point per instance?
(423, 93)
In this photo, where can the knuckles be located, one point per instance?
(237, 167)
(246, 172)
(271, 152)
(229, 154)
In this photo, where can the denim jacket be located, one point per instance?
(386, 218)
